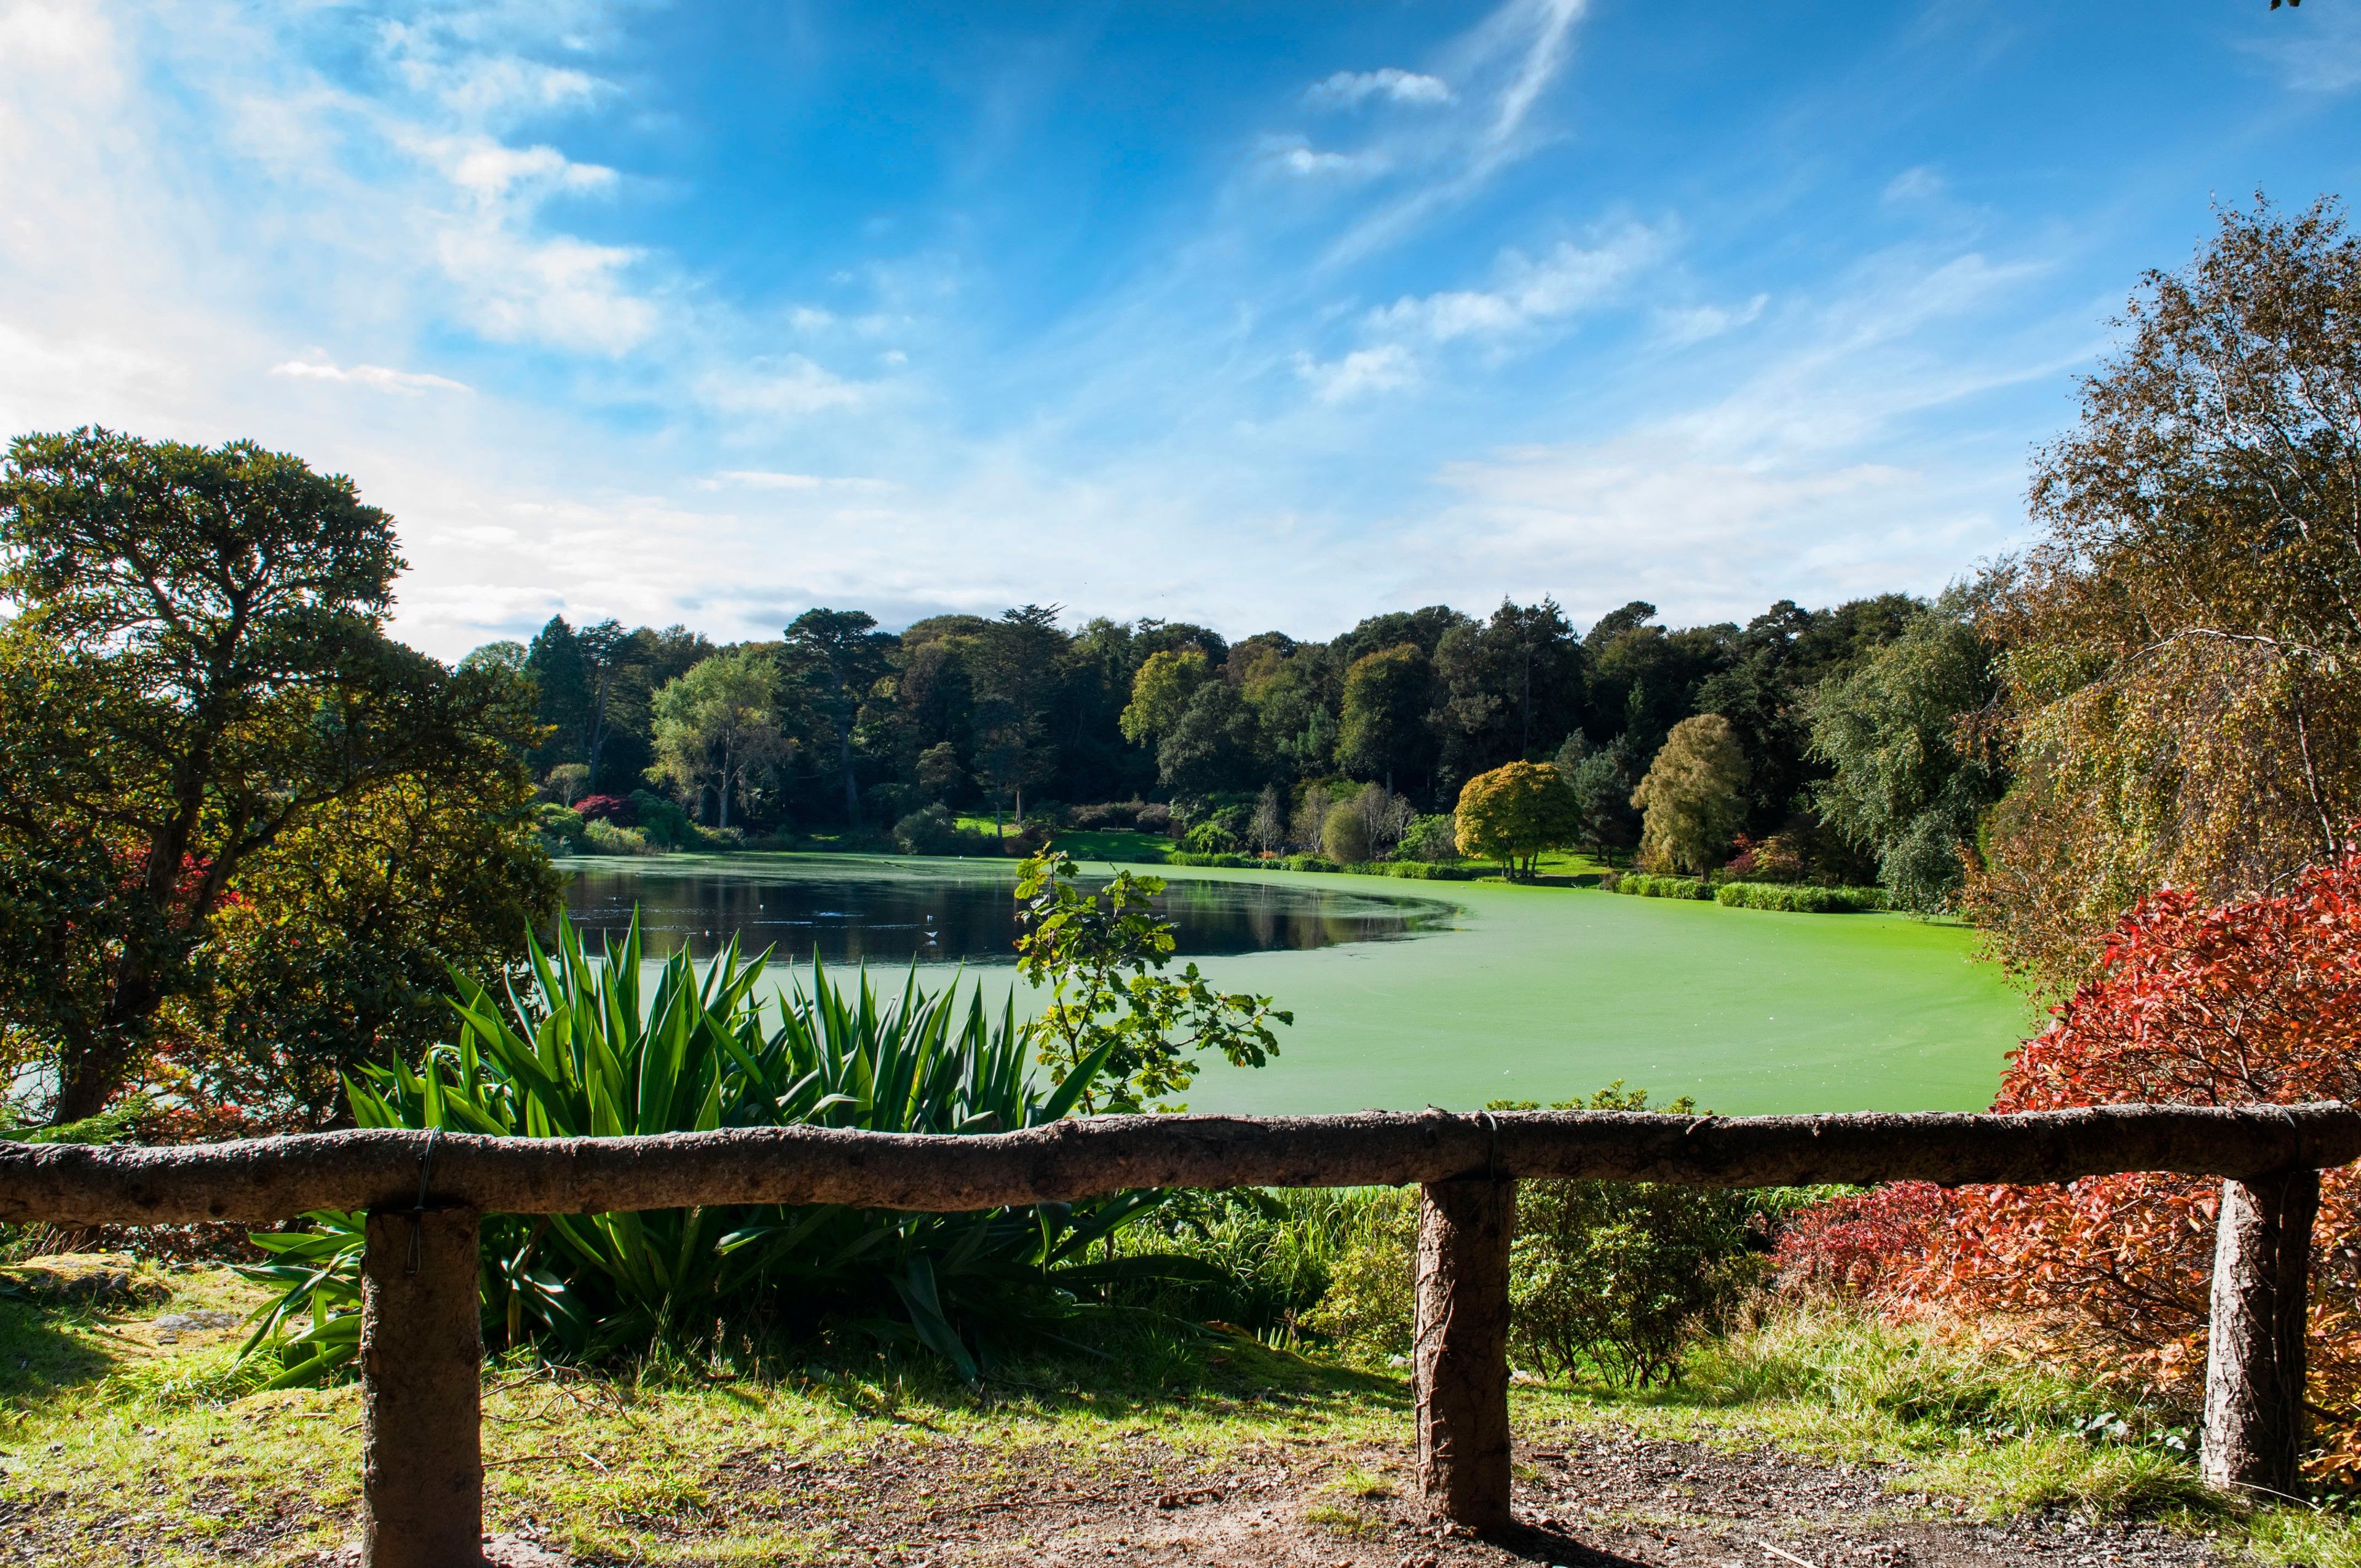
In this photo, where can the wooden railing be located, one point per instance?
(421, 1343)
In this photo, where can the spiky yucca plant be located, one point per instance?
(585, 1049)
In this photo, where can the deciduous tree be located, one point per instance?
(718, 727)
(1693, 800)
(196, 673)
(1513, 813)
(2184, 643)
(1382, 731)
(1912, 772)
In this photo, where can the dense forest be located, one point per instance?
(840, 727)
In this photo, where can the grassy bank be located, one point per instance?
(127, 1441)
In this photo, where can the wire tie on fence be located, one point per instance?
(418, 1211)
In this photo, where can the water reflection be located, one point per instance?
(855, 910)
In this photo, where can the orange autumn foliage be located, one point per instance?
(2253, 1001)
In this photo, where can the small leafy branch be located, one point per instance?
(1102, 955)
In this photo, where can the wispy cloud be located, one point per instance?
(1695, 324)
(1525, 293)
(1502, 68)
(1918, 183)
(1295, 155)
(790, 385)
(768, 479)
(2318, 49)
(1384, 368)
(379, 376)
(1351, 88)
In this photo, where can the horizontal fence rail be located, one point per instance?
(421, 1343)
(262, 1180)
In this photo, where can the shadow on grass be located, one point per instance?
(42, 1354)
(1116, 1368)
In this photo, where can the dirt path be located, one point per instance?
(1594, 1499)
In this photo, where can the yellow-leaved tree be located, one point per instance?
(1513, 813)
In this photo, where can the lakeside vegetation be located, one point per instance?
(263, 868)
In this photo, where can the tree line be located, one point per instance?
(840, 727)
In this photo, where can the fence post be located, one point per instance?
(1462, 1350)
(2255, 1355)
(422, 1356)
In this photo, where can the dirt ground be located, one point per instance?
(1586, 1499)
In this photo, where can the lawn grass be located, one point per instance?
(142, 1452)
(120, 1440)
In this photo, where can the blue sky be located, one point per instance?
(1262, 315)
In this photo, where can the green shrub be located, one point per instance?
(1615, 1278)
(1308, 863)
(1185, 858)
(1369, 1304)
(600, 837)
(582, 1052)
(1272, 1256)
(1210, 837)
(562, 829)
(1639, 884)
(1434, 838)
(1345, 834)
(665, 824)
(1421, 870)
(1799, 898)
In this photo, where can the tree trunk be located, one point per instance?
(1462, 1350)
(422, 1357)
(844, 762)
(88, 1075)
(2254, 1358)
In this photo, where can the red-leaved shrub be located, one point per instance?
(615, 808)
(2247, 1003)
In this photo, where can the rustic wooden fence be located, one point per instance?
(423, 1471)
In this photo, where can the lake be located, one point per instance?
(868, 909)
(1443, 994)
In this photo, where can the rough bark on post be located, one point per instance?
(422, 1354)
(1462, 1350)
(2254, 1358)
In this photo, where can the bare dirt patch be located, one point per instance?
(1592, 1498)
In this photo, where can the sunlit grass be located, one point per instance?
(167, 1448)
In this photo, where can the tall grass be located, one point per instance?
(584, 1050)
(1994, 1427)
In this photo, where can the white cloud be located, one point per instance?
(1718, 528)
(1698, 322)
(1526, 293)
(490, 171)
(377, 376)
(769, 479)
(1296, 156)
(1535, 36)
(1500, 69)
(1350, 89)
(1383, 368)
(789, 386)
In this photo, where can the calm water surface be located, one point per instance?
(863, 909)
